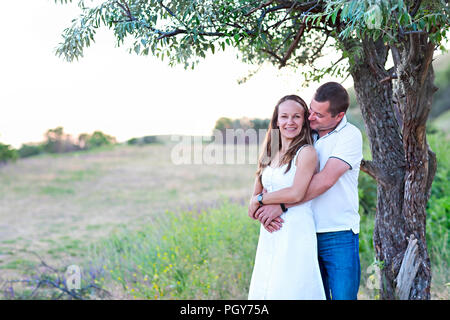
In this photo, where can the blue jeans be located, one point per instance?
(339, 264)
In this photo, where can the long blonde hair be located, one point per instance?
(270, 149)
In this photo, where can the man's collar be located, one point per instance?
(341, 124)
(339, 127)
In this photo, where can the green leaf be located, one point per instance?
(333, 16)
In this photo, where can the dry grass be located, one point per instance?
(55, 205)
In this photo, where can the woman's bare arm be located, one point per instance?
(306, 166)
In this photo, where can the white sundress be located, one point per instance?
(286, 265)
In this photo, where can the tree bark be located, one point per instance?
(395, 119)
(414, 92)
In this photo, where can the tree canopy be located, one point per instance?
(285, 33)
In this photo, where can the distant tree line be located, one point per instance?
(143, 140)
(56, 141)
(222, 124)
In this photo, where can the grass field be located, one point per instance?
(57, 205)
(140, 226)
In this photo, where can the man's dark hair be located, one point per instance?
(336, 94)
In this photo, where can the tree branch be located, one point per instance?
(310, 6)
(369, 168)
(126, 10)
(181, 31)
(261, 6)
(415, 8)
(293, 45)
(376, 172)
(273, 54)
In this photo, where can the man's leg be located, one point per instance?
(323, 273)
(339, 259)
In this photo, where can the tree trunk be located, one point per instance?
(414, 92)
(400, 157)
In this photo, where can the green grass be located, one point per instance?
(56, 191)
(65, 177)
(19, 264)
(189, 255)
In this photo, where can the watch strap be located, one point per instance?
(260, 199)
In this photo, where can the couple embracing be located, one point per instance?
(306, 198)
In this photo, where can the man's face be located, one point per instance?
(320, 119)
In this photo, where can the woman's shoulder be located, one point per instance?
(306, 148)
(308, 152)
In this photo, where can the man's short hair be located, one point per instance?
(336, 94)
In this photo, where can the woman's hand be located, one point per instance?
(252, 208)
(254, 200)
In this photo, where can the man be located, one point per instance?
(334, 192)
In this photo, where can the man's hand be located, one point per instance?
(269, 213)
(274, 225)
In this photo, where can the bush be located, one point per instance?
(133, 141)
(438, 207)
(28, 150)
(95, 140)
(143, 140)
(59, 142)
(7, 153)
(367, 192)
(149, 139)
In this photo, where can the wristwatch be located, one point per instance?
(283, 207)
(260, 198)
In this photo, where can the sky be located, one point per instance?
(121, 94)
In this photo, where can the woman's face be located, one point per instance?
(290, 119)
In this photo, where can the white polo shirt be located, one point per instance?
(337, 208)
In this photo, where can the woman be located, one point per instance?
(286, 265)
